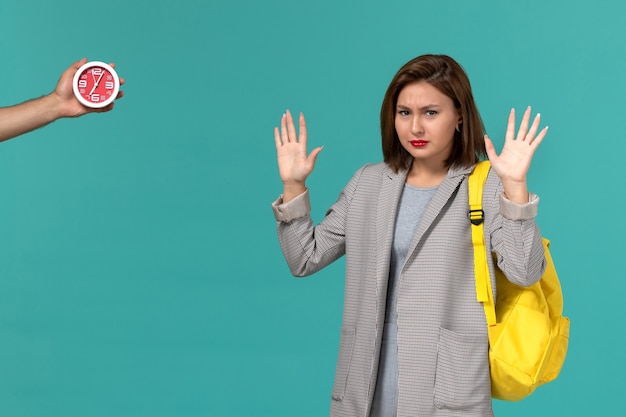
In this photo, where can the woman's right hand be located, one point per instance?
(294, 165)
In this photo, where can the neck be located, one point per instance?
(425, 175)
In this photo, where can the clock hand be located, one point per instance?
(96, 82)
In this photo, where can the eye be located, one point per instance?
(403, 112)
(431, 112)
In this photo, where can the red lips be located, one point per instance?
(418, 143)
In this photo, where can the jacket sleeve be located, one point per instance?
(514, 236)
(308, 248)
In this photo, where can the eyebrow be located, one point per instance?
(426, 107)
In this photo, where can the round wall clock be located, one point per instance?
(96, 84)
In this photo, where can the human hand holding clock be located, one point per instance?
(70, 105)
(65, 100)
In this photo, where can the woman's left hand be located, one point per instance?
(514, 161)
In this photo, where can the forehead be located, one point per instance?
(422, 94)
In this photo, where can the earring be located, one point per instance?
(458, 129)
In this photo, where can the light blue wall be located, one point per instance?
(140, 273)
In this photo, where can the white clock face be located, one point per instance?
(96, 84)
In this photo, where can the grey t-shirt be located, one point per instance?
(411, 208)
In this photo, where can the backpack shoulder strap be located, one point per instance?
(484, 292)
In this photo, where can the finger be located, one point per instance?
(540, 137)
(283, 129)
(277, 140)
(523, 127)
(291, 128)
(79, 63)
(510, 127)
(102, 109)
(122, 81)
(533, 129)
(490, 148)
(313, 155)
(303, 135)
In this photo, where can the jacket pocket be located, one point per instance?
(462, 381)
(346, 346)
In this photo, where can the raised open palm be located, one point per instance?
(514, 160)
(294, 164)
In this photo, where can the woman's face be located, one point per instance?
(425, 121)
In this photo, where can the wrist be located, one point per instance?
(53, 105)
(516, 191)
(292, 189)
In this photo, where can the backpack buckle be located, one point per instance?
(476, 217)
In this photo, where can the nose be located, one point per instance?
(416, 126)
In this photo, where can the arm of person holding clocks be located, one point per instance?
(85, 87)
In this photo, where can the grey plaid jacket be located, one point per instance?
(443, 367)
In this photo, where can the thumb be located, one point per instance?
(491, 150)
(313, 155)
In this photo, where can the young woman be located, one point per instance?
(414, 337)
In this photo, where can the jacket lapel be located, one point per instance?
(447, 189)
(390, 191)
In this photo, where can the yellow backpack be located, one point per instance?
(528, 335)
